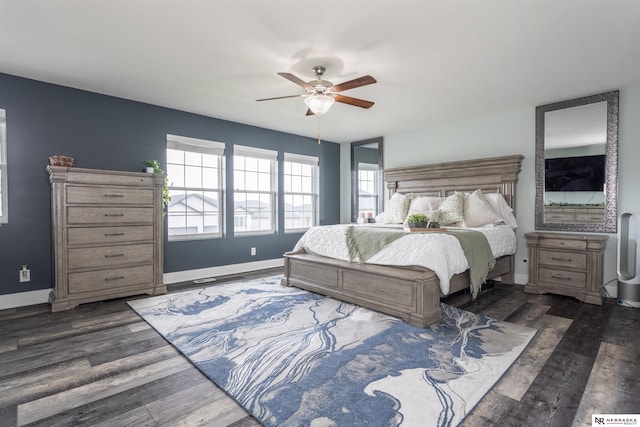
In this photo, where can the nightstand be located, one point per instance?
(566, 264)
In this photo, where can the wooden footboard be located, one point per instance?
(412, 294)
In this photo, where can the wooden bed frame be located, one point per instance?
(411, 293)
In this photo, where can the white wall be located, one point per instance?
(506, 133)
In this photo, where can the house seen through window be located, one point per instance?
(195, 176)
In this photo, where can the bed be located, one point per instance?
(411, 293)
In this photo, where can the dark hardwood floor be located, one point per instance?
(100, 364)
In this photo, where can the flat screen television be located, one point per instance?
(585, 173)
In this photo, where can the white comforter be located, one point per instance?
(439, 252)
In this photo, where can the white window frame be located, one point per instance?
(261, 155)
(314, 193)
(201, 146)
(4, 199)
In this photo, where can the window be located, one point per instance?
(4, 212)
(194, 171)
(300, 191)
(367, 190)
(254, 172)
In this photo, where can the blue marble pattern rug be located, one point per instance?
(295, 358)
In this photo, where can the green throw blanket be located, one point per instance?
(479, 256)
(364, 242)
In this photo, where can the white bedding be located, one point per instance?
(439, 252)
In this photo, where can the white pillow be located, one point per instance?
(396, 209)
(424, 205)
(478, 211)
(451, 211)
(501, 206)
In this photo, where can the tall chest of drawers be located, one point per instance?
(107, 235)
(566, 264)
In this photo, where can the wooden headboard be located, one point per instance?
(491, 175)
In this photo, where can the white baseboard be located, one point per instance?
(41, 296)
(520, 279)
(22, 299)
(223, 270)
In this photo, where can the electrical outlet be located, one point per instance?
(25, 274)
(253, 251)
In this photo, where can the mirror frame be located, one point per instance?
(354, 176)
(611, 167)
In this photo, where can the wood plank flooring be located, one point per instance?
(101, 365)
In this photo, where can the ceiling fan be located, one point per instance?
(321, 94)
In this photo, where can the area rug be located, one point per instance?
(295, 358)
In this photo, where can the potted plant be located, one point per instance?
(153, 166)
(417, 220)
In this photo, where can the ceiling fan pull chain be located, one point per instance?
(318, 128)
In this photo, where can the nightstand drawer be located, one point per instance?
(106, 256)
(580, 245)
(561, 277)
(109, 195)
(564, 259)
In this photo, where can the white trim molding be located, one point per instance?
(21, 299)
(223, 270)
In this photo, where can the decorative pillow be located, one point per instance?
(397, 207)
(502, 207)
(451, 210)
(478, 211)
(424, 205)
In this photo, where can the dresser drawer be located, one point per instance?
(110, 215)
(77, 194)
(565, 278)
(109, 279)
(563, 244)
(87, 235)
(564, 259)
(105, 256)
(108, 178)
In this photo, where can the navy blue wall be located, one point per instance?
(104, 132)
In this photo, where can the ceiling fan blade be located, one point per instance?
(354, 101)
(297, 81)
(360, 81)
(279, 97)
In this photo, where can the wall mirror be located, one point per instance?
(577, 164)
(367, 187)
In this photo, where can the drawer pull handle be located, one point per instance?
(114, 195)
(109, 279)
(113, 214)
(561, 277)
(113, 234)
(113, 255)
(562, 259)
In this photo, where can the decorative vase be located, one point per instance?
(149, 169)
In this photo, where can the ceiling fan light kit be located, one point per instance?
(319, 103)
(321, 94)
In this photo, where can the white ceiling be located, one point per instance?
(435, 61)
